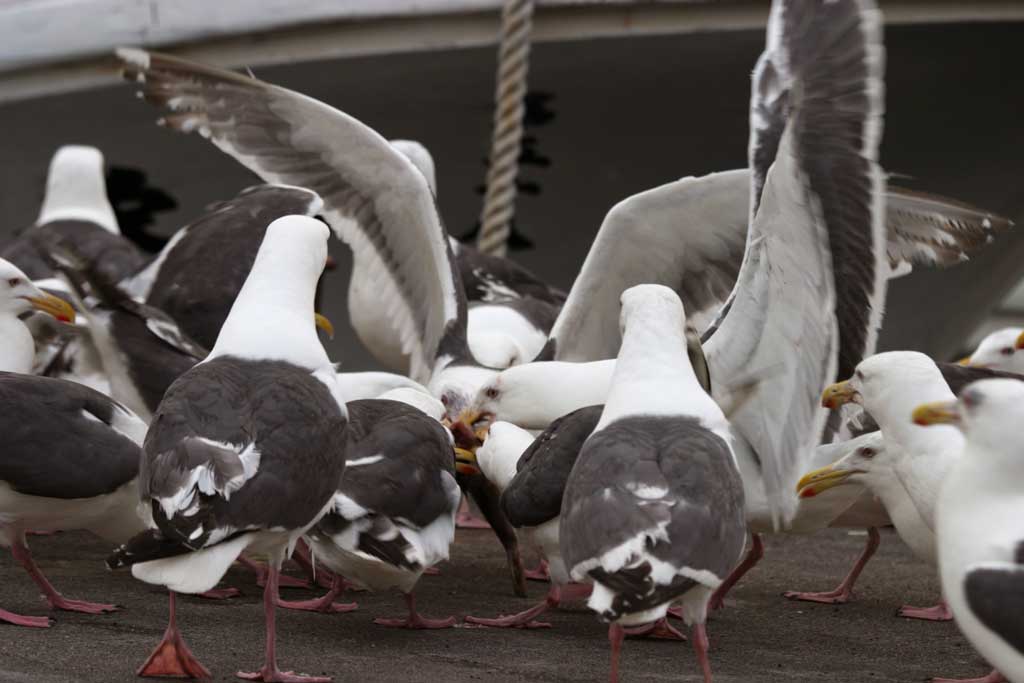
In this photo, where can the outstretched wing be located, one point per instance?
(931, 230)
(374, 197)
(687, 235)
(808, 300)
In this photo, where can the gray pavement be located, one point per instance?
(760, 637)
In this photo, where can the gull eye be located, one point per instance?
(868, 452)
(1006, 350)
(445, 400)
(14, 281)
(859, 374)
(491, 392)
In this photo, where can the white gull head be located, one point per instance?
(76, 189)
(273, 316)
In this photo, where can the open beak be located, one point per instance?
(54, 306)
(938, 412)
(813, 483)
(838, 394)
(324, 324)
(465, 461)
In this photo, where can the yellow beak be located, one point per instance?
(967, 360)
(939, 412)
(813, 483)
(1020, 341)
(324, 324)
(469, 417)
(838, 394)
(465, 461)
(54, 306)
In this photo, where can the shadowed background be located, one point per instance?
(624, 115)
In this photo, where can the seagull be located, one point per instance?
(393, 515)
(246, 449)
(197, 275)
(18, 297)
(999, 350)
(76, 211)
(142, 350)
(70, 460)
(70, 455)
(653, 509)
(907, 476)
(374, 198)
(980, 530)
(531, 474)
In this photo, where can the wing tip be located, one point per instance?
(133, 56)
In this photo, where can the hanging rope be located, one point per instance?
(513, 65)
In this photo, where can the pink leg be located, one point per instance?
(56, 600)
(660, 630)
(540, 573)
(994, 677)
(752, 557)
(318, 574)
(261, 575)
(556, 595)
(700, 646)
(18, 620)
(415, 619)
(432, 571)
(843, 593)
(616, 634)
(939, 612)
(465, 519)
(172, 658)
(270, 673)
(326, 604)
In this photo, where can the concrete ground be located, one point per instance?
(759, 636)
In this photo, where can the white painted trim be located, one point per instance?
(44, 50)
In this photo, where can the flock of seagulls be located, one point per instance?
(641, 431)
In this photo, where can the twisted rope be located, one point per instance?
(513, 65)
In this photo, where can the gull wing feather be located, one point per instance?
(808, 301)
(374, 197)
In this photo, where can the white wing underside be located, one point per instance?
(686, 235)
(375, 199)
(691, 234)
(781, 329)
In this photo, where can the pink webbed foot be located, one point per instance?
(524, 619)
(219, 594)
(939, 612)
(58, 601)
(843, 593)
(19, 620)
(172, 658)
(539, 573)
(432, 571)
(465, 519)
(277, 676)
(415, 620)
(53, 597)
(838, 596)
(659, 630)
(325, 604)
(994, 677)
